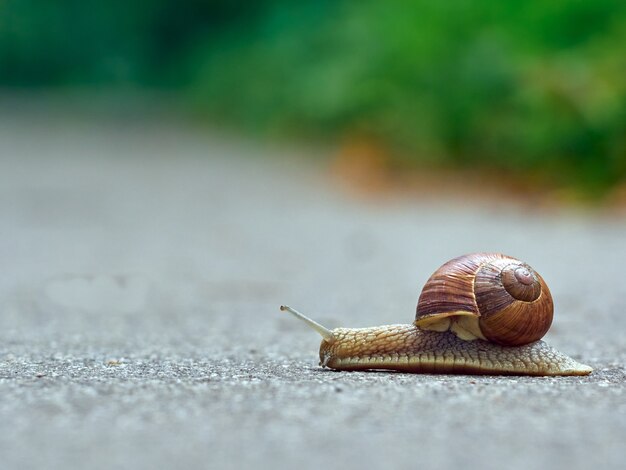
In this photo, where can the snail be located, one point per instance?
(481, 313)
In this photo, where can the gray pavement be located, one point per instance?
(143, 266)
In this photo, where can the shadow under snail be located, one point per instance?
(482, 313)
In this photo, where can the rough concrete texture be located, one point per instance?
(143, 264)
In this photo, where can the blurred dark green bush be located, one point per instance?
(536, 89)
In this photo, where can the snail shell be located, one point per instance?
(488, 296)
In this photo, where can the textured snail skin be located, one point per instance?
(407, 348)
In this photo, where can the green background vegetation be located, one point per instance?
(532, 89)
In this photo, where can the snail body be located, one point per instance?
(482, 313)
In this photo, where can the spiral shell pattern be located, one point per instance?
(510, 301)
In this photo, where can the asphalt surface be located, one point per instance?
(143, 264)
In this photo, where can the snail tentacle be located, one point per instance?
(322, 330)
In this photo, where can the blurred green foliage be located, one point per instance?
(115, 42)
(535, 89)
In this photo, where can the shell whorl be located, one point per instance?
(500, 298)
(521, 282)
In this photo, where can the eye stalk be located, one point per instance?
(323, 331)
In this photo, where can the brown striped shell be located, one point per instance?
(488, 296)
